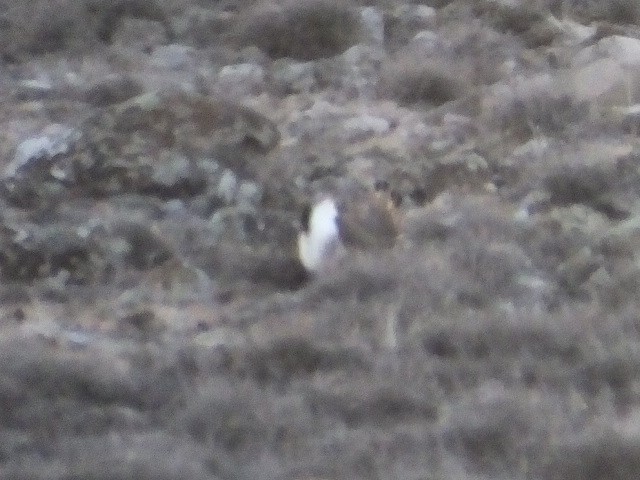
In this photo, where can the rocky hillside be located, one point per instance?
(156, 322)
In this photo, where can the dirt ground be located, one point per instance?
(156, 322)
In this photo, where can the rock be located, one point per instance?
(624, 50)
(426, 40)
(608, 72)
(173, 175)
(135, 244)
(172, 57)
(38, 153)
(372, 26)
(221, 337)
(534, 202)
(416, 15)
(573, 33)
(533, 149)
(249, 195)
(78, 339)
(29, 90)
(111, 90)
(361, 65)
(228, 186)
(57, 251)
(241, 79)
(602, 80)
(577, 269)
(293, 77)
(360, 128)
(45, 329)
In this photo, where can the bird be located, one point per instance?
(363, 221)
(319, 239)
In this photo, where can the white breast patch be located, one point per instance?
(318, 244)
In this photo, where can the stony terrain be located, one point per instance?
(155, 321)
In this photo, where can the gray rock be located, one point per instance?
(372, 26)
(221, 337)
(249, 194)
(602, 80)
(427, 41)
(56, 139)
(578, 268)
(241, 79)
(172, 57)
(171, 170)
(364, 126)
(29, 90)
(228, 186)
(48, 330)
(78, 339)
(112, 89)
(293, 77)
(573, 33)
(624, 50)
(361, 65)
(416, 15)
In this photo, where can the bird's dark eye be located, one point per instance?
(304, 218)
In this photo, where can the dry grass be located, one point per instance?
(430, 82)
(299, 30)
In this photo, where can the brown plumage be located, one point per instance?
(369, 221)
(362, 221)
